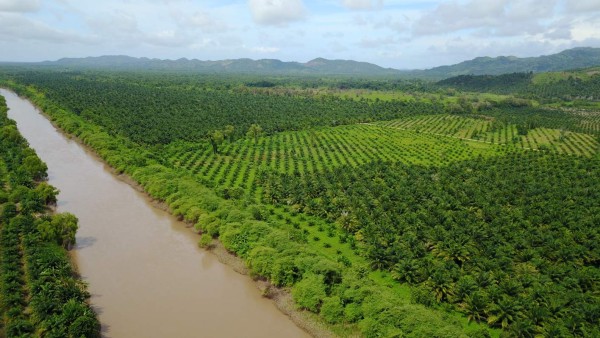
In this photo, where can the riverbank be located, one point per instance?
(280, 296)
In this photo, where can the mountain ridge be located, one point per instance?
(317, 66)
(575, 58)
(569, 59)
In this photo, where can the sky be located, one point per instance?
(402, 34)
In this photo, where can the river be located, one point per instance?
(145, 272)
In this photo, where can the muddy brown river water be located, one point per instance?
(145, 272)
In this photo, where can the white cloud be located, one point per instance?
(452, 16)
(362, 4)
(399, 25)
(19, 5)
(203, 20)
(586, 30)
(15, 27)
(559, 33)
(489, 17)
(530, 10)
(277, 12)
(333, 35)
(123, 29)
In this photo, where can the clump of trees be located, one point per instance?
(254, 132)
(60, 229)
(215, 138)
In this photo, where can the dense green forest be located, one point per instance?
(40, 294)
(388, 209)
(580, 86)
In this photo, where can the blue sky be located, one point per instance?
(401, 34)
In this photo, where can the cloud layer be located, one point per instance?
(393, 33)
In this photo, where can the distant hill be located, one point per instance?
(317, 66)
(575, 58)
(582, 84)
(569, 59)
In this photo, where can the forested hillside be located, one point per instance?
(566, 60)
(40, 294)
(580, 85)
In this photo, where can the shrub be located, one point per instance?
(422, 295)
(205, 241)
(332, 310)
(309, 292)
(353, 312)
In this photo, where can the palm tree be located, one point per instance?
(441, 285)
(215, 138)
(522, 328)
(465, 286)
(254, 131)
(554, 330)
(228, 132)
(406, 270)
(505, 312)
(474, 306)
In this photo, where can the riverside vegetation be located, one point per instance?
(40, 294)
(388, 208)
